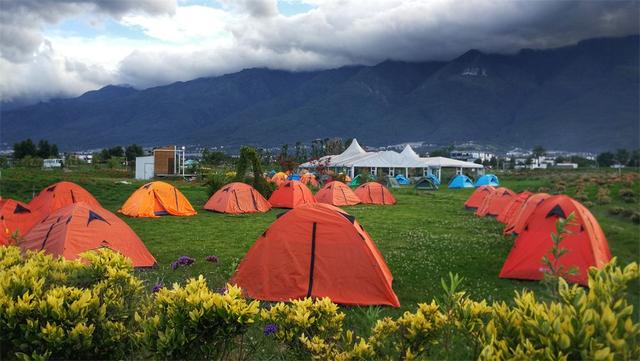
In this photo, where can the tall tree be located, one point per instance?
(606, 159)
(44, 149)
(539, 151)
(24, 148)
(132, 151)
(622, 156)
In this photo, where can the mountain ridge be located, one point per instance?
(578, 97)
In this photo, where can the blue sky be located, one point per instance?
(50, 48)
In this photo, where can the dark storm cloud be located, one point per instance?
(333, 33)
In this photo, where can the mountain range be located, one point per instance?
(583, 97)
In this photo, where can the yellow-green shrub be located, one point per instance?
(193, 322)
(593, 324)
(53, 308)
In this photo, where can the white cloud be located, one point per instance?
(189, 41)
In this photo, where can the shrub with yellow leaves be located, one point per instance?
(194, 322)
(54, 308)
(593, 324)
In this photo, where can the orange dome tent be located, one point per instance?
(309, 179)
(374, 193)
(517, 222)
(291, 194)
(156, 199)
(586, 243)
(15, 217)
(80, 227)
(478, 196)
(512, 207)
(495, 202)
(237, 198)
(338, 194)
(59, 195)
(316, 250)
(279, 178)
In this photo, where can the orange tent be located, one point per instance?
(494, 203)
(512, 207)
(517, 221)
(337, 194)
(316, 250)
(156, 199)
(586, 243)
(15, 217)
(374, 193)
(80, 227)
(291, 194)
(309, 179)
(478, 196)
(237, 198)
(60, 195)
(279, 178)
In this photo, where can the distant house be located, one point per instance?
(567, 165)
(52, 163)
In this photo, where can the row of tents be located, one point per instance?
(66, 220)
(312, 250)
(532, 219)
(462, 181)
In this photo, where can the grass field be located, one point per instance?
(423, 237)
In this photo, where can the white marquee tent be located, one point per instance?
(356, 157)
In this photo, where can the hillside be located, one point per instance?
(580, 97)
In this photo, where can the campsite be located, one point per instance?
(423, 237)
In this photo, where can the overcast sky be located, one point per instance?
(54, 48)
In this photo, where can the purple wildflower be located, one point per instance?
(222, 290)
(157, 287)
(182, 261)
(270, 329)
(185, 260)
(212, 259)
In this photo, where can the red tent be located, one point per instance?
(237, 198)
(316, 250)
(60, 195)
(512, 207)
(338, 194)
(15, 216)
(516, 223)
(81, 227)
(478, 196)
(291, 194)
(494, 203)
(374, 193)
(586, 243)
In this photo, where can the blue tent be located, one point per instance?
(488, 180)
(460, 181)
(271, 173)
(294, 176)
(402, 180)
(433, 179)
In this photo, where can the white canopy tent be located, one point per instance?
(356, 157)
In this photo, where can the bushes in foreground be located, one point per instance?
(56, 309)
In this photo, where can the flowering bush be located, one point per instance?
(97, 309)
(195, 322)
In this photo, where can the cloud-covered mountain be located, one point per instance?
(580, 97)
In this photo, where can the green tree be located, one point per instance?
(116, 151)
(214, 158)
(23, 149)
(634, 159)
(44, 149)
(132, 151)
(53, 151)
(442, 152)
(539, 151)
(301, 152)
(606, 159)
(622, 156)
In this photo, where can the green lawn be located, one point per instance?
(423, 237)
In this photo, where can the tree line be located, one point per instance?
(27, 148)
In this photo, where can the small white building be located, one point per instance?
(52, 163)
(145, 167)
